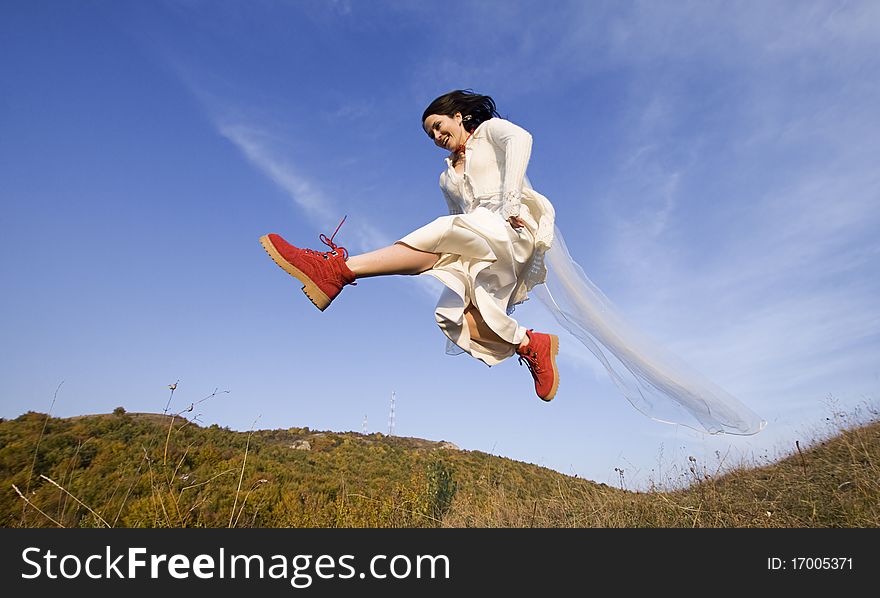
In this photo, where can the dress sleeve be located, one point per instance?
(516, 143)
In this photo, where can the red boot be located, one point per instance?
(540, 356)
(323, 274)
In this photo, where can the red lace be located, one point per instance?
(334, 248)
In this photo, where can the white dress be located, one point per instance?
(484, 261)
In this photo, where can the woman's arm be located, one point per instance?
(516, 143)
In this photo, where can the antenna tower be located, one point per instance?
(364, 427)
(391, 417)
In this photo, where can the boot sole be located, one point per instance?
(311, 290)
(554, 350)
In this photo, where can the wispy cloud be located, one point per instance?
(249, 131)
(305, 196)
(308, 197)
(523, 50)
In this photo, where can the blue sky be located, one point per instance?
(713, 167)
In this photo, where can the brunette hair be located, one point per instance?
(474, 108)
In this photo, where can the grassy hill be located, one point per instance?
(151, 470)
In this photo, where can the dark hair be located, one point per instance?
(474, 108)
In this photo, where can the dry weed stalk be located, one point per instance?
(241, 477)
(40, 511)
(37, 448)
(56, 484)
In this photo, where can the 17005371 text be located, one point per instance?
(810, 563)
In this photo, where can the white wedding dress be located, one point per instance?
(485, 262)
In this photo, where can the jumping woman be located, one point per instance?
(498, 243)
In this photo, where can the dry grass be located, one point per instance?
(831, 481)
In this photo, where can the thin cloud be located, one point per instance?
(306, 196)
(316, 205)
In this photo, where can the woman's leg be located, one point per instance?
(481, 331)
(394, 259)
(540, 356)
(403, 259)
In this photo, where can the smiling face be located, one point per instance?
(446, 131)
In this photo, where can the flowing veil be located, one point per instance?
(656, 382)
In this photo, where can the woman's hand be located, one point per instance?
(516, 222)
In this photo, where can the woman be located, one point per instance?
(487, 252)
(490, 252)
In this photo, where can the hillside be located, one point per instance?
(151, 470)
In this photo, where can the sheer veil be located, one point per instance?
(656, 382)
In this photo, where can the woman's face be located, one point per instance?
(446, 131)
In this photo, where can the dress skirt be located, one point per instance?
(486, 263)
